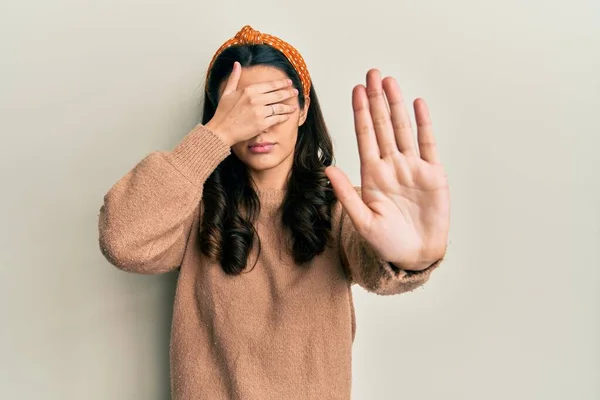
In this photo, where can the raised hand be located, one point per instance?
(403, 208)
(242, 114)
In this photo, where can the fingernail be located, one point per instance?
(289, 81)
(295, 91)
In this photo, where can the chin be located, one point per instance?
(263, 163)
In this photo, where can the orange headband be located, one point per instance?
(247, 35)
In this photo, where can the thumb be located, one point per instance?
(357, 210)
(233, 80)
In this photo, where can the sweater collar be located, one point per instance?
(271, 199)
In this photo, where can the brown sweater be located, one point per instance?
(281, 331)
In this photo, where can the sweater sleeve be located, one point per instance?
(364, 267)
(146, 217)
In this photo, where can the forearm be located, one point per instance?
(147, 214)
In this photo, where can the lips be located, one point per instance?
(261, 148)
(261, 144)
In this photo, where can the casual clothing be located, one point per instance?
(277, 331)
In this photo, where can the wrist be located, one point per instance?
(219, 132)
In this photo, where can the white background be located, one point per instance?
(88, 88)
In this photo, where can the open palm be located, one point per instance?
(403, 206)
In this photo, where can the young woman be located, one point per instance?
(268, 237)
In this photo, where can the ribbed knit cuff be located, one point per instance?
(408, 275)
(198, 154)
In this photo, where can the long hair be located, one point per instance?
(226, 234)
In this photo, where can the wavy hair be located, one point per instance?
(226, 234)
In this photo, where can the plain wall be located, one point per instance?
(87, 89)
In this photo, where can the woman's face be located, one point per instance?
(278, 156)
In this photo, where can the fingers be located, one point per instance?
(259, 88)
(266, 87)
(427, 145)
(277, 113)
(399, 116)
(380, 114)
(355, 207)
(274, 120)
(233, 80)
(274, 97)
(279, 109)
(368, 149)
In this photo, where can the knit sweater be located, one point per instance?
(278, 331)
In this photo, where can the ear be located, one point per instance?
(304, 111)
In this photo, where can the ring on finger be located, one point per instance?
(272, 110)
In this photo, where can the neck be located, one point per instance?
(272, 179)
(266, 183)
(271, 187)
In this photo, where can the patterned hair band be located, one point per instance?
(247, 35)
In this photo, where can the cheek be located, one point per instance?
(287, 133)
(240, 150)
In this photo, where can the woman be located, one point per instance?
(246, 206)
